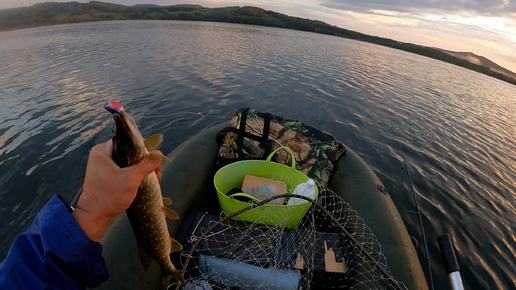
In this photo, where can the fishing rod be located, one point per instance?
(417, 212)
(450, 261)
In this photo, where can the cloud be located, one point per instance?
(454, 28)
(480, 7)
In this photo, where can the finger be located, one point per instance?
(105, 148)
(143, 168)
(101, 155)
(158, 172)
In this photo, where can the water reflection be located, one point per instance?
(456, 126)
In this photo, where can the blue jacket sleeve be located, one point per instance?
(54, 253)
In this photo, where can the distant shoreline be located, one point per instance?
(73, 12)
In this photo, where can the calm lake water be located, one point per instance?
(457, 127)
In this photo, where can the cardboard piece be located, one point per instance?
(263, 188)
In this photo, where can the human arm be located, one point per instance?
(108, 189)
(61, 250)
(54, 253)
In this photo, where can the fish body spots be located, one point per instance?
(146, 213)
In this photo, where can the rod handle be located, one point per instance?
(448, 253)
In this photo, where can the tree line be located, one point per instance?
(74, 12)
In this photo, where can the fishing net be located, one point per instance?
(331, 248)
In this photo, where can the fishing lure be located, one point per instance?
(113, 107)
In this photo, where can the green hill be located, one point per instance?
(74, 12)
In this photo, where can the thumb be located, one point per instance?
(143, 168)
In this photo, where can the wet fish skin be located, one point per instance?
(128, 143)
(147, 212)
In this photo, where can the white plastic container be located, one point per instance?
(305, 189)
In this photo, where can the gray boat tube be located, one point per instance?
(188, 180)
(358, 185)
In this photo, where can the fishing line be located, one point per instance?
(173, 114)
(79, 192)
(417, 212)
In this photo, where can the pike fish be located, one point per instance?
(147, 213)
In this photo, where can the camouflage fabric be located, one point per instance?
(315, 151)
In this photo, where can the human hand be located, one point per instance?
(109, 190)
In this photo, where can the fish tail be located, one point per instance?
(166, 281)
(175, 274)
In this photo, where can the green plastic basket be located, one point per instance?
(232, 176)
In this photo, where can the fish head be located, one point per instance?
(128, 143)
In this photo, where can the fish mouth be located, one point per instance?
(128, 147)
(120, 117)
(126, 129)
(124, 121)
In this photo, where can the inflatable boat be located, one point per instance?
(189, 182)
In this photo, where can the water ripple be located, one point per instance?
(455, 126)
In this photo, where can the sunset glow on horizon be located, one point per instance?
(486, 29)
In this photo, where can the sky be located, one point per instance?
(484, 27)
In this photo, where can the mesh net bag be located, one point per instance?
(331, 248)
